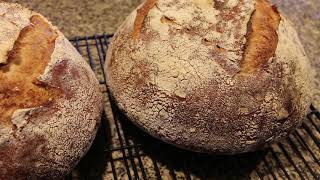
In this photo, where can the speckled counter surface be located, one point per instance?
(83, 17)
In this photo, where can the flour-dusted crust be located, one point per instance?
(50, 101)
(217, 76)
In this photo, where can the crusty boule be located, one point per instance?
(50, 101)
(210, 75)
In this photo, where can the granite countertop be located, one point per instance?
(83, 17)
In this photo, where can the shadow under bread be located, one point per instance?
(94, 163)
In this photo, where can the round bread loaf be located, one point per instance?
(210, 75)
(50, 101)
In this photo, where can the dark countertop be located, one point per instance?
(82, 17)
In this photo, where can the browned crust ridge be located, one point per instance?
(19, 88)
(141, 15)
(262, 37)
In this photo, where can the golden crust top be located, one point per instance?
(19, 88)
(262, 37)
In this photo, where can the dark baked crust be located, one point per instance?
(180, 82)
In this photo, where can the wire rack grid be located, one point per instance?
(122, 151)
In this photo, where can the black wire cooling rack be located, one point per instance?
(122, 151)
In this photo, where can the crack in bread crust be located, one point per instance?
(262, 37)
(141, 15)
(19, 88)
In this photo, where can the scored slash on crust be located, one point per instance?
(141, 15)
(262, 37)
(26, 61)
